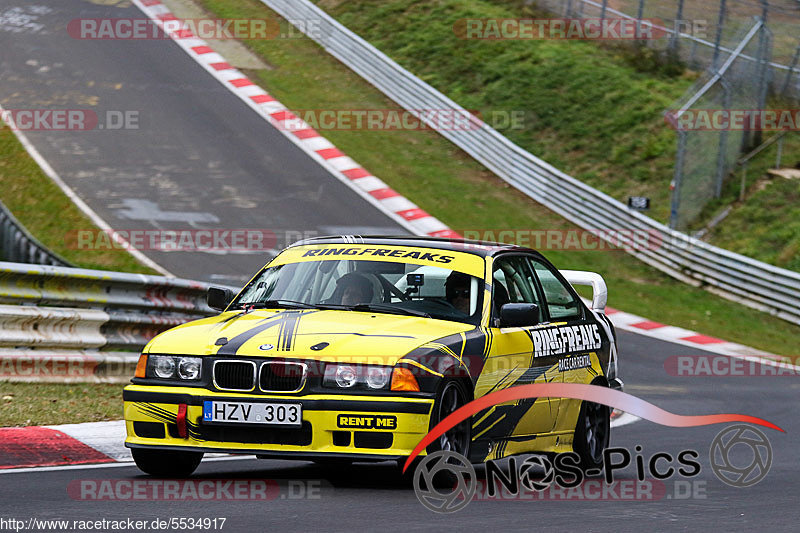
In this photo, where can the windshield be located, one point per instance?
(390, 287)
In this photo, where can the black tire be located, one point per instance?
(165, 463)
(592, 435)
(450, 396)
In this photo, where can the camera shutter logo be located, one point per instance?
(532, 481)
(451, 497)
(723, 462)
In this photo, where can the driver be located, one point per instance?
(355, 289)
(457, 290)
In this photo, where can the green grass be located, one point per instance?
(39, 404)
(589, 110)
(766, 225)
(48, 214)
(446, 182)
(592, 111)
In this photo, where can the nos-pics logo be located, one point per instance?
(446, 482)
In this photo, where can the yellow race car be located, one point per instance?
(353, 348)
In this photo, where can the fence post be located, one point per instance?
(791, 71)
(779, 158)
(675, 204)
(718, 40)
(603, 10)
(673, 45)
(722, 152)
(763, 73)
(568, 9)
(744, 181)
(639, 15)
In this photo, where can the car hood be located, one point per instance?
(325, 335)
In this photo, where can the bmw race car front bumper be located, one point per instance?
(333, 425)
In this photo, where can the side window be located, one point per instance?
(560, 301)
(512, 282)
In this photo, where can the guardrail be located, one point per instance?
(733, 276)
(71, 324)
(18, 245)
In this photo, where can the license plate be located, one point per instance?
(284, 414)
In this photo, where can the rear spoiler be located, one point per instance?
(593, 280)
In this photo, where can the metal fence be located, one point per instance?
(744, 61)
(71, 324)
(19, 246)
(701, 33)
(705, 159)
(742, 279)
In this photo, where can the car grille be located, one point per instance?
(282, 377)
(235, 375)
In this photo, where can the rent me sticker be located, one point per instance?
(366, 422)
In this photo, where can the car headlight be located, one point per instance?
(378, 377)
(189, 368)
(346, 376)
(172, 367)
(357, 376)
(163, 367)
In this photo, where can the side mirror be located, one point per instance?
(519, 315)
(218, 298)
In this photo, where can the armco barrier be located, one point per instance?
(70, 324)
(742, 279)
(18, 245)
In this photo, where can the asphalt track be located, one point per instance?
(201, 151)
(199, 159)
(370, 498)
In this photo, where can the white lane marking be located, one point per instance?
(265, 110)
(83, 206)
(624, 419)
(107, 465)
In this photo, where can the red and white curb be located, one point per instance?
(375, 191)
(71, 444)
(94, 443)
(642, 326)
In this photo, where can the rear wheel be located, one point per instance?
(592, 434)
(165, 463)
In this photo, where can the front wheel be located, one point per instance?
(592, 434)
(170, 464)
(451, 397)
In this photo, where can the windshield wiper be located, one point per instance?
(384, 308)
(286, 304)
